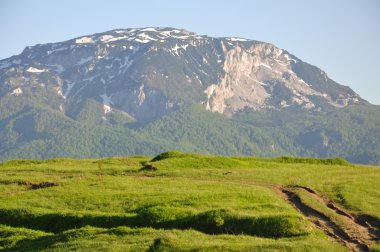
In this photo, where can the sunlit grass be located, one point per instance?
(190, 202)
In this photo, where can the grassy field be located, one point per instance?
(188, 202)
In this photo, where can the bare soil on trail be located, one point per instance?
(356, 235)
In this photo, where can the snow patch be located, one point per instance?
(106, 108)
(283, 104)
(59, 91)
(149, 29)
(35, 70)
(184, 46)
(165, 33)
(144, 41)
(147, 37)
(109, 38)
(106, 38)
(106, 103)
(84, 40)
(174, 50)
(181, 37)
(237, 39)
(289, 58)
(17, 92)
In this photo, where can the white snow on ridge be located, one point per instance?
(181, 37)
(35, 70)
(84, 40)
(165, 33)
(142, 41)
(109, 38)
(237, 39)
(140, 35)
(106, 38)
(289, 58)
(145, 36)
(17, 92)
(117, 38)
(149, 29)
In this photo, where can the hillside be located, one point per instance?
(143, 91)
(185, 202)
(36, 132)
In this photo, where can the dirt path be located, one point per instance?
(356, 234)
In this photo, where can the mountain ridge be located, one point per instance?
(123, 82)
(225, 74)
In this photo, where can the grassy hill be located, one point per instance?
(189, 202)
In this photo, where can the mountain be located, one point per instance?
(143, 91)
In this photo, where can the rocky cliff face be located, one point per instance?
(147, 73)
(252, 75)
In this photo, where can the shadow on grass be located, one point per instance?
(210, 222)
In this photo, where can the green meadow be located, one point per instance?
(188, 202)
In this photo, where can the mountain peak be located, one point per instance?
(94, 95)
(141, 35)
(148, 72)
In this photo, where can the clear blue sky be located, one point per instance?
(341, 37)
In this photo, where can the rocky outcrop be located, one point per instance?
(250, 76)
